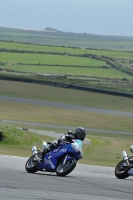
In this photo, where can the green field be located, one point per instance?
(126, 55)
(90, 67)
(90, 72)
(27, 58)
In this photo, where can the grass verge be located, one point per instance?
(63, 116)
(103, 151)
(65, 95)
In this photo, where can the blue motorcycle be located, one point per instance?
(61, 160)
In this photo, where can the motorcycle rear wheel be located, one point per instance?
(121, 172)
(31, 165)
(64, 169)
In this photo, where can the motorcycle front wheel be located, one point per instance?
(121, 170)
(64, 169)
(31, 165)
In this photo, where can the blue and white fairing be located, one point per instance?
(71, 150)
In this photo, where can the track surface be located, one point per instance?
(67, 106)
(85, 182)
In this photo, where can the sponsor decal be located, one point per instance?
(48, 161)
(63, 150)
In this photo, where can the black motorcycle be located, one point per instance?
(124, 168)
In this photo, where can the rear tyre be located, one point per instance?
(64, 169)
(121, 171)
(31, 165)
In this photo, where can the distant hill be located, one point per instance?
(50, 29)
(51, 36)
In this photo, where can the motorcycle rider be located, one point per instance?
(68, 137)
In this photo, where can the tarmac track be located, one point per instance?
(68, 106)
(85, 182)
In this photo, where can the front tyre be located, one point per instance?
(64, 169)
(121, 170)
(31, 165)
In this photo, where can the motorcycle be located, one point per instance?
(61, 160)
(124, 168)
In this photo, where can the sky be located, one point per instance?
(102, 17)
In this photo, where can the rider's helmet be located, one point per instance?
(80, 133)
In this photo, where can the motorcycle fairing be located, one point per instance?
(51, 158)
(65, 149)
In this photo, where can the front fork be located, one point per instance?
(125, 158)
(67, 157)
(64, 161)
(34, 151)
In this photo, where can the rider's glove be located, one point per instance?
(69, 138)
(60, 141)
(69, 132)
